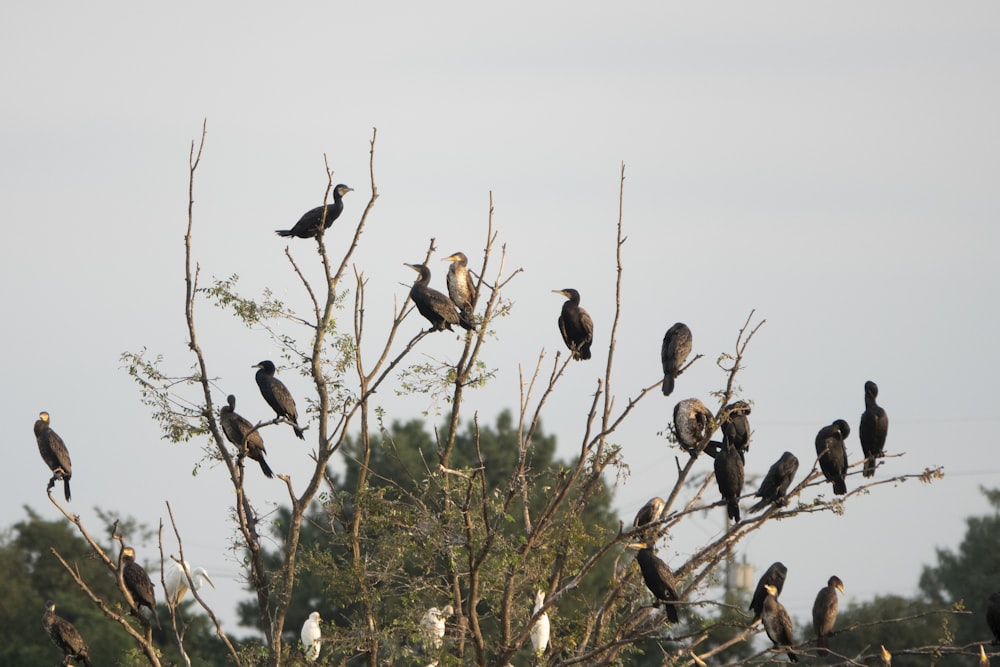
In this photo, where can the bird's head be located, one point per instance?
(231, 400)
(871, 389)
(50, 605)
(43, 416)
(203, 573)
(836, 583)
(569, 293)
(342, 189)
(843, 427)
(128, 553)
(267, 366)
(456, 257)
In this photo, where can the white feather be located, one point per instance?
(311, 635)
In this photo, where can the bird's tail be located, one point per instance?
(584, 352)
(283, 232)
(156, 616)
(299, 433)
(668, 384)
(822, 643)
(465, 320)
(734, 509)
(66, 488)
(759, 506)
(671, 611)
(839, 486)
(869, 467)
(792, 657)
(266, 469)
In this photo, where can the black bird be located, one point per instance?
(777, 622)
(659, 579)
(54, 453)
(277, 396)
(776, 482)
(825, 612)
(993, 617)
(736, 427)
(673, 353)
(575, 325)
(138, 584)
(65, 636)
(649, 513)
(773, 576)
(439, 310)
(693, 425)
(833, 454)
(461, 289)
(308, 224)
(874, 427)
(729, 477)
(239, 430)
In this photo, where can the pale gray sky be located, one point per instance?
(833, 165)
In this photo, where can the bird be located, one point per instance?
(65, 636)
(575, 325)
(461, 289)
(439, 310)
(874, 427)
(311, 636)
(658, 577)
(308, 225)
(773, 576)
(540, 630)
(432, 626)
(736, 427)
(993, 617)
(825, 612)
(54, 453)
(651, 512)
(693, 425)
(138, 584)
(241, 433)
(777, 622)
(776, 482)
(176, 581)
(833, 454)
(729, 477)
(277, 396)
(674, 352)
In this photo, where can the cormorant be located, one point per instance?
(239, 430)
(138, 584)
(674, 352)
(461, 289)
(439, 310)
(575, 325)
(432, 626)
(311, 636)
(776, 482)
(659, 579)
(540, 630)
(825, 612)
(54, 453)
(833, 454)
(777, 622)
(729, 477)
(692, 425)
(277, 396)
(176, 580)
(773, 576)
(651, 512)
(736, 427)
(993, 617)
(308, 224)
(874, 427)
(65, 636)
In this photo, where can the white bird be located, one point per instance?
(432, 625)
(540, 630)
(311, 635)
(177, 583)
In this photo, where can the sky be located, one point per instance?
(829, 166)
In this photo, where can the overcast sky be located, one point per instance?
(832, 165)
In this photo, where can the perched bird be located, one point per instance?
(65, 636)
(439, 310)
(540, 630)
(308, 224)
(773, 576)
(993, 617)
(277, 396)
(693, 425)
(54, 453)
(777, 622)
(240, 432)
(729, 477)
(874, 427)
(311, 636)
(461, 289)
(736, 427)
(138, 584)
(176, 580)
(575, 325)
(825, 612)
(674, 352)
(651, 512)
(659, 579)
(776, 482)
(832, 454)
(432, 626)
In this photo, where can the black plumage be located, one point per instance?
(776, 482)
(65, 636)
(825, 612)
(773, 576)
(993, 617)
(277, 396)
(674, 352)
(736, 427)
(874, 428)
(777, 622)
(693, 425)
(138, 584)
(239, 431)
(575, 325)
(439, 310)
(308, 225)
(729, 477)
(461, 289)
(54, 453)
(659, 580)
(832, 454)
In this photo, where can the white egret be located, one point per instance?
(177, 583)
(540, 630)
(432, 625)
(311, 635)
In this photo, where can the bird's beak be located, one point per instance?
(636, 545)
(840, 587)
(559, 291)
(208, 580)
